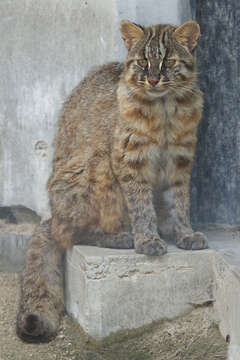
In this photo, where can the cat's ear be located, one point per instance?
(131, 33)
(188, 34)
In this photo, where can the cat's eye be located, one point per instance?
(142, 62)
(170, 62)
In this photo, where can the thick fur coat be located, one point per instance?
(123, 156)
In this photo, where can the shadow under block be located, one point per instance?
(109, 290)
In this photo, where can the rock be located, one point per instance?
(18, 214)
(109, 290)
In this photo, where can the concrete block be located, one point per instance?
(226, 290)
(227, 299)
(110, 290)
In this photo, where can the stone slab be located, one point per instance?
(109, 290)
(226, 268)
(227, 299)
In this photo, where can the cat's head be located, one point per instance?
(160, 58)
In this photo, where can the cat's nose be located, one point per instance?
(153, 80)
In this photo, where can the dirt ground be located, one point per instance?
(194, 337)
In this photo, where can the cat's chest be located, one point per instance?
(149, 136)
(163, 132)
(165, 127)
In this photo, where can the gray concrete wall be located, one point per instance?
(46, 48)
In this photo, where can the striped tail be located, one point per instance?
(42, 288)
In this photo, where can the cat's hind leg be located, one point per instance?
(42, 291)
(87, 203)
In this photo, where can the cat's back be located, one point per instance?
(88, 115)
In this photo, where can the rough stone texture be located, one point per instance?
(17, 224)
(18, 215)
(46, 49)
(216, 175)
(227, 295)
(110, 290)
(233, 352)
(226, 268)
(12, 250)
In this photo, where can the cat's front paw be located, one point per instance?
(151, 245)
(193, 241)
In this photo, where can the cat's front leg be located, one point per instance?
(143, 218)
(184, 235)
(139, 198)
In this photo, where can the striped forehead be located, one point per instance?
(156, 42)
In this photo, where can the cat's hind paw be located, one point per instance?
(153, 246)
(193, 241)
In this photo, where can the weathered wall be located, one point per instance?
(216, 175)
(46, 48)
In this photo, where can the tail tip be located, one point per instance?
(31, 323)
(34, 327)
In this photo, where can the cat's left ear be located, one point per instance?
(131, 33)
(188, 34)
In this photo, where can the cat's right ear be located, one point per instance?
(131, 33)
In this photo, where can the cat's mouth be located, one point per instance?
(157, 91)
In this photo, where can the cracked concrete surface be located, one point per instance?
(109, 290)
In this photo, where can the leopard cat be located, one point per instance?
(123, 156)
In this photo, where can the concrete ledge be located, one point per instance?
(227, 299)
(109, 290)
(226, 290)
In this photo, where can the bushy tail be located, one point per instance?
(42, 288)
